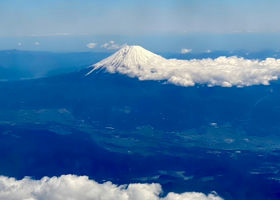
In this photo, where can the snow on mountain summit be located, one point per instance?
(130, 60)
(135, 61)
(132, 56)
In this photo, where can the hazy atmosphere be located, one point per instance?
(139, 100)
(165, 26)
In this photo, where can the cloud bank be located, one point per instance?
(136, 61)
(223, 71)
(82, 188)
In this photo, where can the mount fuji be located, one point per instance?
(134, 61)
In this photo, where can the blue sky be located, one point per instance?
(166, 25)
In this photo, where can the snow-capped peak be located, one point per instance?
(130, 59)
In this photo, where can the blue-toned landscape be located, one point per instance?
(139, 100)
(114, 128)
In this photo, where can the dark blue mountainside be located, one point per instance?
(102, 96)
(112, 127)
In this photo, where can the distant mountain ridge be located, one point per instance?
(17, 65)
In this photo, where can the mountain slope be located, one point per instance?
(131, 57)
(116, 100)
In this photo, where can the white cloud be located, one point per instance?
(91, 45)
(112, 45)
(208, 51)
(192, 196)
(81, 188)
(185, 51)
(37, 43)
(19, 44)
(135, 61)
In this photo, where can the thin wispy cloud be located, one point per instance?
(185, 51)
(91, 45)
(49, 35)
(112, 45)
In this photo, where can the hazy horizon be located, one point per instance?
(166, 26)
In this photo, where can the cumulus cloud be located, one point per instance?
(82, 188)
(37, 43)
(225, 71)
(19, 44)
(136, 61)
(185, 51)
(112, 45)
(91, 45)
